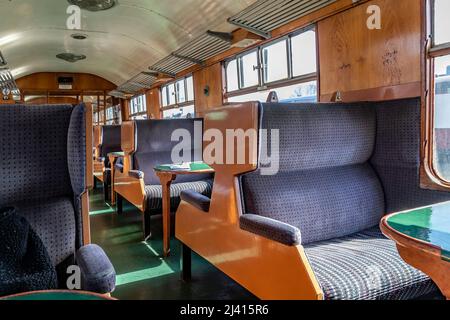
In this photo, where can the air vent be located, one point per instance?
(78, 36)
(264, 16)
(94, 5)
(71, 57)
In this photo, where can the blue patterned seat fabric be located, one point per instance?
(42, 175)
(365, 266)
(154, 193)
(154, 147)
(342, 167)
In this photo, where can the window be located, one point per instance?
(440, 55)
(287, 66)
(113, 115)
(138, 108)
(178, 99)
(275, 62)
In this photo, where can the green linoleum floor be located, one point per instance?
(141, 271)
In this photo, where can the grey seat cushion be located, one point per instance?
(154, 193)
(54, 222)
(365, 266)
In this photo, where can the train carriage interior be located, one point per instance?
(229, 150)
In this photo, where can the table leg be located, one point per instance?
(166, 181)
(113, 194)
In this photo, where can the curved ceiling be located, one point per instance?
(122, 41)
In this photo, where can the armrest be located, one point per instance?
(196, 199)
(136, 174)
(271, 229)
(97, 272)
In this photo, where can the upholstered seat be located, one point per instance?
(341, 169)
(43, 175)
(365, 266)
(154, 192)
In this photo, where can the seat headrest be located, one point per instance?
(314, 136)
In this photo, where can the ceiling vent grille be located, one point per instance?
(264, 16)
(195, 52)
(143, 80)
(71, 57)
(94, 5)
(7, 82)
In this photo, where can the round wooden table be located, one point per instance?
(57, 295)
(423, 240)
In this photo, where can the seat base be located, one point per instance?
(366, 266)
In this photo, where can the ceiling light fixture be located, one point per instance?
(79, 36)
(94, 5)
(71, 57)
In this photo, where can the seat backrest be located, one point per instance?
(325, 185)
(43, 171)
(154, 146)
(111, 141)
(397, 156)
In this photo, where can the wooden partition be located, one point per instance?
(266, 268)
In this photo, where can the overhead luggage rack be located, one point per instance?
(195, 52)
(143, 80)
(264, 16)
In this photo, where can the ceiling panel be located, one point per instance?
(122, 41)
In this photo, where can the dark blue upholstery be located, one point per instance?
(111, 142)
(43, 172)
(342, 167)
(196, 199)
(365, 266)
(98, 274)
(324, 150)
(154, 147)
(396, 157)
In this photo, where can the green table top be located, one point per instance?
(430, 225)
(194, 166)
(55, 296)
(116, 154)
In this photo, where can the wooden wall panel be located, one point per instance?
(356, 60)
(46, 81)
(153, 97)
(211, 77)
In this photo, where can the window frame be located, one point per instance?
(430, 177)
(132, 113)
(262, 85)
(178, 105)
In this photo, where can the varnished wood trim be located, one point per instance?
(409, 90)
(86, 225)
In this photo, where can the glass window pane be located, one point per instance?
(298, 93)
(179, 113)
(164, 96)
(171, 89)
(304, 53)
(181, 91)
(275, 62)
(442, 117)
(249, 70)
(232, 76)
(442, 21)
(190, 88)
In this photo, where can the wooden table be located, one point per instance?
(113, 156)
(423, 240)
(167, 175)
(57, 295)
